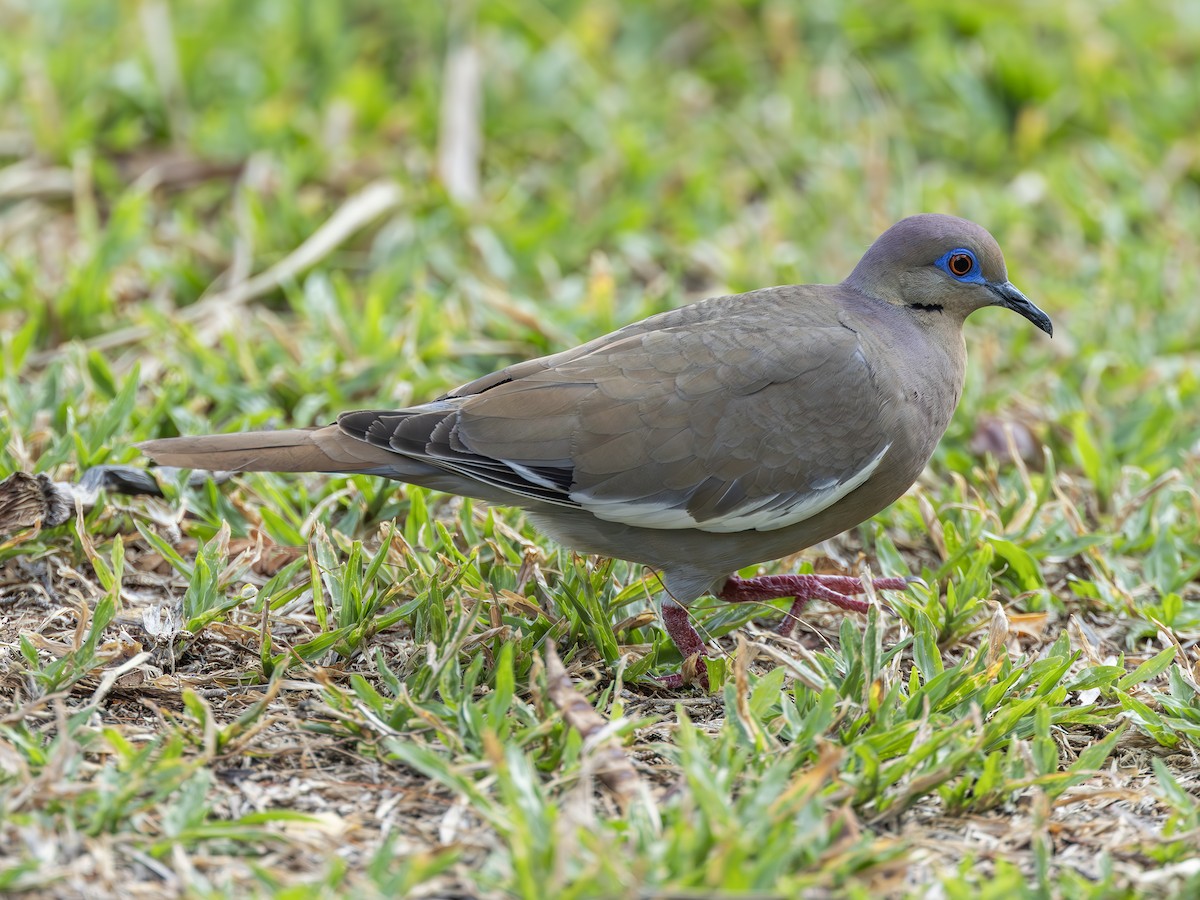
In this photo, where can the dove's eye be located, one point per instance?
(960, 264)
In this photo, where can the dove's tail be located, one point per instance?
(294, 450)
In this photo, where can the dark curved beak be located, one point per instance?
(1009, 297)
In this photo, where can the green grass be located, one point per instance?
(302, 685)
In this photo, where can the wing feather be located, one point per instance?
(713, 417)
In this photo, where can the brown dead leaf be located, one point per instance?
(1007, 440)
(612, 766)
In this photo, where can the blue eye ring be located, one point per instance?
(960, 264)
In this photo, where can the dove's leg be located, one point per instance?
(689, 643)
(833, 589)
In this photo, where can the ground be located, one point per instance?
(237, 215)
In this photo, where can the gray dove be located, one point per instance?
(701, 440)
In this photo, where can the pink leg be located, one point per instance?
(830, 588)
(689, 643)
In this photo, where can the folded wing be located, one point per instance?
(670, 424)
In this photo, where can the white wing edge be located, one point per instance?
(759, 514)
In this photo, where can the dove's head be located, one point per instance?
(941, 264)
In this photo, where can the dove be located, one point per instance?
(702, 440)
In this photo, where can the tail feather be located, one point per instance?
(293, 450)
(327, 449)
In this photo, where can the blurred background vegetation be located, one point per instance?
(632, 157)
(553, 169)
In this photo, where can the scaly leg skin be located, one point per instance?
(830, 588)
(689, 643)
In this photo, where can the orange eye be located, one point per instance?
(960, 264)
